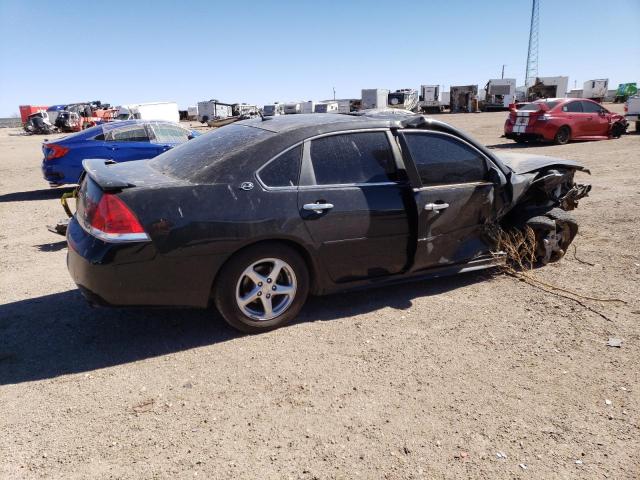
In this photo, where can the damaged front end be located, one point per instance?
(544, 191)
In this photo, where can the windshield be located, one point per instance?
(123, 116)
(189, 160)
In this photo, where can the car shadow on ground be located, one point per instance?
(52, 247)
(59, 334)
(44, 194)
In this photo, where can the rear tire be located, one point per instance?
(521, 141)
(563, 135)
(246, 290)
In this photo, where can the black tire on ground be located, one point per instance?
(205, 119)
(227, 282)
(637, 127)
(520, 140)
(563, 135)
(617, 130)
(555, 221)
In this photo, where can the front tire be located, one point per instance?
(563, 136)
(617, 130)
(262, 288)
(554, 232)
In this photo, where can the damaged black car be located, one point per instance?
(255, 216)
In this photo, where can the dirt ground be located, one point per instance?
(424, 380)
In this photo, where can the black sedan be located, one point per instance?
(254, 216)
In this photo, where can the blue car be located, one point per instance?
(120, 141)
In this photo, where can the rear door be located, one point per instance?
(355, 201)
(453, 198)
(131, 142)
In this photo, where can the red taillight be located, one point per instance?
(55, 151)
(113, 217)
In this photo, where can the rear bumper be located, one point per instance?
(524, 136)
(135, 274)
(544, 131)
(57, 174)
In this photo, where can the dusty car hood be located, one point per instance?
(530, 162)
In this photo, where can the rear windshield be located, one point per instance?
(536, 106)
(190, 159)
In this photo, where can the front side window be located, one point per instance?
(283, 171)
(135, 133)
(441, 159)
(364, 157)
(591, 107)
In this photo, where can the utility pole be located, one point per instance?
(503, 65)
(334, 93)
(532, 53)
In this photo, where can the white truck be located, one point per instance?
(167, 111)
(273, 109)
(374, 98)
(548, 87)
(327, 107)
(595, 89)
(632, 111)
(213, 110)
(499, 94)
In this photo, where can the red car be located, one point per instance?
(561, 120)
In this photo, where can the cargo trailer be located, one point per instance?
(548, 87)
(291, 108)
(308, 107)
(374, 98)
(595, 89)
(464, 98)
(273, 109)
(499, 94)
(214, 110)
(327, 107)
(167, 111)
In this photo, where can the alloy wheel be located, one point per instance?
(266, 289)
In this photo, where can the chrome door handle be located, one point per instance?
(317, 207)
(436, 206)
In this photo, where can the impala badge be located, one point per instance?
(246, 186)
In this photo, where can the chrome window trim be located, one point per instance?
(452, 185)
(272, 159)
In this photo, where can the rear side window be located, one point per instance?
(572, 107)
(169, 133)
(353, 158)
(283, 171)
(135, 133)
(441, 159)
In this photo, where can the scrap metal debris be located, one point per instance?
(614, 342)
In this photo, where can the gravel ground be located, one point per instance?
(424, 380)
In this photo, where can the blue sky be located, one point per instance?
(264, 51)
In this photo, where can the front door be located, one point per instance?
(599, 124)
(454, 199)
(354, 201)
(130, 142)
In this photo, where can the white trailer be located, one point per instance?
(632, 111)
(273, 109)
(548, 87)
(292, 108)
(499, 94)
(213, 110)
(167, 111)
(374, 98)
(192, 112)
(308, 107)
(574, 93)
(595, 89)
(432, 99)
(327, 107)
